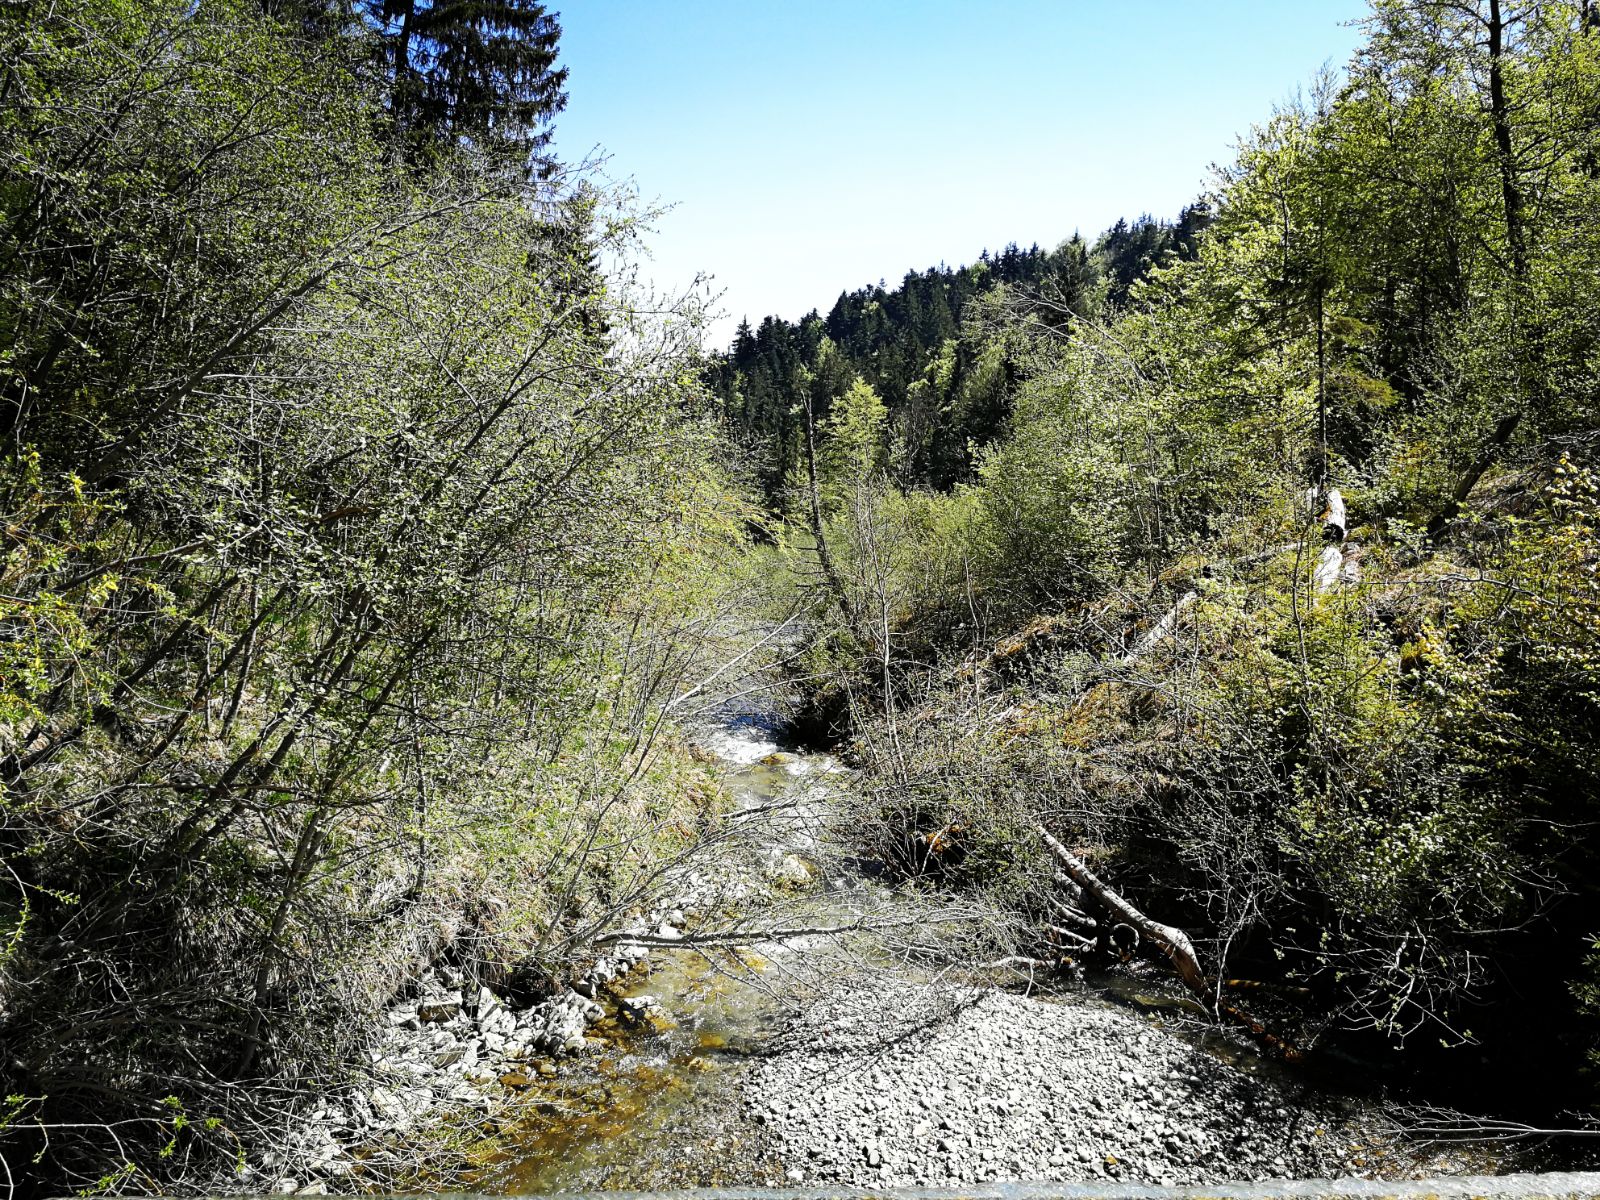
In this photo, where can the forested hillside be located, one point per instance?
(930, 349)
(1271, 585)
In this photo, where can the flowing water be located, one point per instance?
(659, 1105)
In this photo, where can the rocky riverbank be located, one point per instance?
(655, 1070)
(921, 1084)
(450, 1049)
(455, 1058)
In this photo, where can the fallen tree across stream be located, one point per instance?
(1171, 941)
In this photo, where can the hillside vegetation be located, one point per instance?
(357, 530)
(1277, 591)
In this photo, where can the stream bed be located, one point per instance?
(749, 1071)
(659, 1106)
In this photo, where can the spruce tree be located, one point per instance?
(481, 72)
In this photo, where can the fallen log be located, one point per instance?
(1331, 569)
(1173, 943)
(1330, 565)
(1487, 457)
(1334, 521)
(1158, 632)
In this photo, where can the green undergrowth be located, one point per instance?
(1368, 794)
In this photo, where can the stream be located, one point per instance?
(659, 1106)
(899, 1076)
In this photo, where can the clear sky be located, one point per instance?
(811, 148)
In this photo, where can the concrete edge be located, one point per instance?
(1555, 1185)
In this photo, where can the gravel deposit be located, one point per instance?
(882, 1080)
(899, 1083)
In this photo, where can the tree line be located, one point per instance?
(942, 369)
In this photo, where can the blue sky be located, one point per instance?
(810, 148)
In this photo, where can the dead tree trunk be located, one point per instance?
(1330, 569)
(1157, 632)
(1172, 942)
(1503, 430)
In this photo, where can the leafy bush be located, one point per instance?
(355, 541)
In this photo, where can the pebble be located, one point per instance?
(440, 1050)
(1003, 1086)
(1017, 1088)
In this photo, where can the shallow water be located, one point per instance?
(657, 1105)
